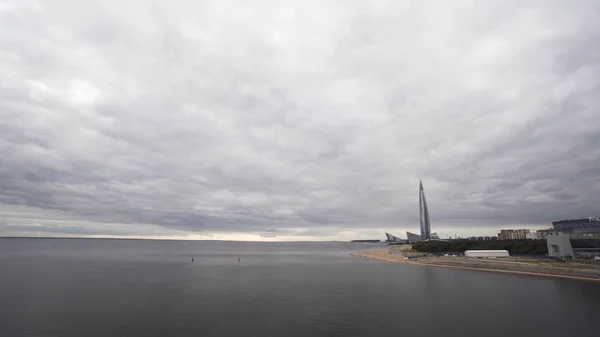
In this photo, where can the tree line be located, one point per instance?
(531, 247)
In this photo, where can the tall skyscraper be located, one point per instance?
(424, 214)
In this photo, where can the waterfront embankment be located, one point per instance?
(515, 265)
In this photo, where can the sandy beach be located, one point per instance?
(526, 266)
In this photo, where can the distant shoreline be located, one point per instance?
(522, 266)
(156, 239)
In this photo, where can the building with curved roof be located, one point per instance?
(393, 238)
(412, 237)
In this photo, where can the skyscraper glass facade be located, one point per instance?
(424, 214)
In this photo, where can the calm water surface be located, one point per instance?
(80, 288)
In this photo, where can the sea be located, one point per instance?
(102, 287)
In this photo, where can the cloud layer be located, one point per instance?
(310, 120)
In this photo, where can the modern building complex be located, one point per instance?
(586, 228)
(584, 234)
(424, 215)
(565, 236)
(425, 224)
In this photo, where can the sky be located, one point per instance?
(296, 120)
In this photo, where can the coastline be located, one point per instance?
(512, 266)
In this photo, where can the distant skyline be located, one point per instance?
(296, 121)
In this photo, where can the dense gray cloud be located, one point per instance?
(304, 120)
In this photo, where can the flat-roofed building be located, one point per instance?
(514, 234)
(572, 224)
(542, 234)
(486, 254)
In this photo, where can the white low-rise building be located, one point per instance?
(487, 254)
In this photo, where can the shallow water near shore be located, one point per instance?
(76, 287)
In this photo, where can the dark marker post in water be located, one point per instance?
(192, 260)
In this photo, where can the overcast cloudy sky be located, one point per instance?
(296, 120)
